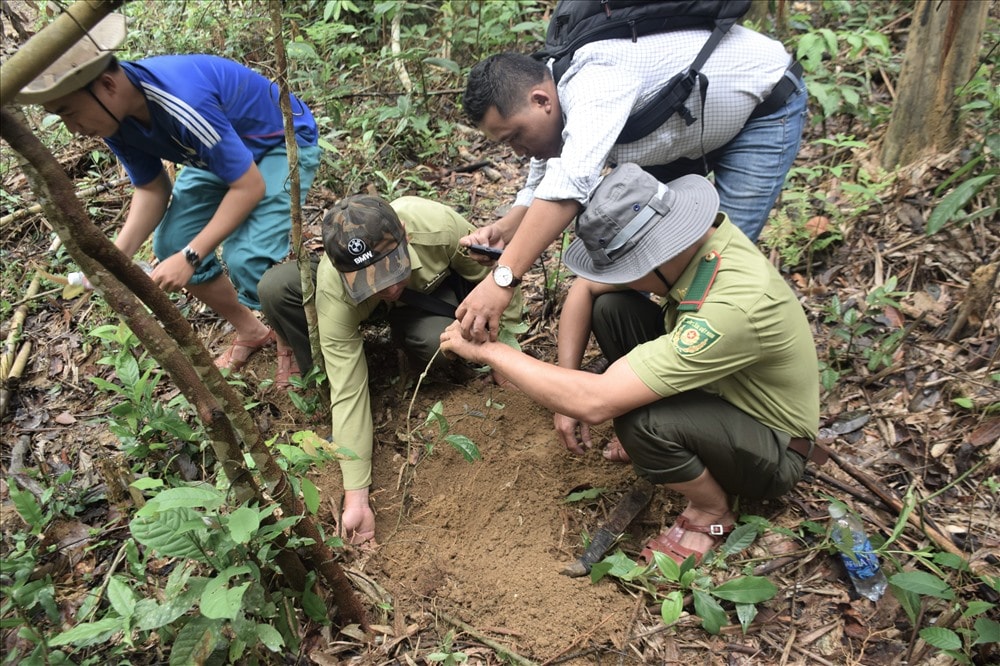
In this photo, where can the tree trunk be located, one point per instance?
(292, 148)
(944, 41)
(175, 346)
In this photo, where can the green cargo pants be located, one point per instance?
(674, 439)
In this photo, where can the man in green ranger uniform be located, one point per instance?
(401, 260)
(714, 394)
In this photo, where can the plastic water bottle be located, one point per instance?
(863, 567)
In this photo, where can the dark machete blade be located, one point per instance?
(628, 507)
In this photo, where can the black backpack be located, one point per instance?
(578, 22)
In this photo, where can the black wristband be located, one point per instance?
(191, 256)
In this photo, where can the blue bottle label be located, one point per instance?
(864, 564)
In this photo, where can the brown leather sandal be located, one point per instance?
(287, 367)
(669, 542)
(239, 352)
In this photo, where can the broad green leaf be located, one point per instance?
(436, 414)
(738, 540)
(746, 613)
(313, 605)
(667, 566)
(987, 631)
(310, 495)
(185, 497)
(147, 483)
(219, 601)
(444, 63)
(588, 494)
(465, 446)
(153, 616)
(622, 566)
(195, 643)
(243, 524)
(713, 618)
(244, 634)
(746, 590)
(121, 596)
(89, 633)
(27, 507)
(910, 601)
(599, 571)
(270, 637)
(941, 638)
(923, 583)
(162, 534)
(976, 608)
(508, 338)
(672, 607)
(955, 201)
(310, 442)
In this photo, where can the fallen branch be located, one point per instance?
(924, 524)
(85, 192)
(504, 651)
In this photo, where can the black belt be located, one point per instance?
(809, 450)
(782, 90)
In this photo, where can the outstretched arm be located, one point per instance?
(581, 395)
(149, 203)
(480, 312)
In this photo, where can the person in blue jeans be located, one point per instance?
(222, 122)
(746, 135)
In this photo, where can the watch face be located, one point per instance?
(503, 276)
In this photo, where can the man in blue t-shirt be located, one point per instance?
(221, 121)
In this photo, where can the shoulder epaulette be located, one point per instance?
(708, 268)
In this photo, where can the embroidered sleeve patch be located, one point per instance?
(694, 335)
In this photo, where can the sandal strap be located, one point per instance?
(715, 529)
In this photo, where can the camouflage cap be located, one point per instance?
(366, 242)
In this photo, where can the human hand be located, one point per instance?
(173, 273)
(489, 236)
(480, 312)
(453, 344)
(566, 431)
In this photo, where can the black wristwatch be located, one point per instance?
(504, 277)
(191, 256)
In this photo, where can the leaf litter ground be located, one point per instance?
(476, 548)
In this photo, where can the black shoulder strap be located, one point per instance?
(671, 97)
(428, 303)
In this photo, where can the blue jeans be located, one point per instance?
(254, 246)
(750, 170)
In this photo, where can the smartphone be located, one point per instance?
(491, 252)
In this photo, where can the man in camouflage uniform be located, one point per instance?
(401, 261)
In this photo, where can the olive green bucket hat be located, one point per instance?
(80, 65)
(366, 242)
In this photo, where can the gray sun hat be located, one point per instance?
(633, 223)
(365, 240)
(80, 65)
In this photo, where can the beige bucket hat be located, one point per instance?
(83, 63)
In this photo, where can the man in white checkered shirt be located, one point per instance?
(747, 135)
